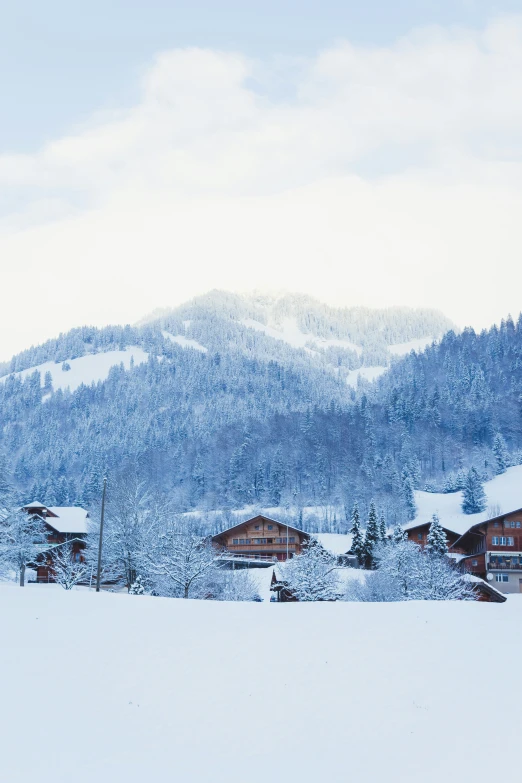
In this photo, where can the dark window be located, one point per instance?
(502, 577)
(474, 562)
(235, 541)
(256, 527)
(270, 527)
(496, 524)
(419, 536)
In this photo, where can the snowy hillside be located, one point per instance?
(504, 494)
(352, 342)
(235, 693)
(87, 369)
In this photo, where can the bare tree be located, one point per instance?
(22, 538)
(68, 569)
(180, 564)
(133, 518)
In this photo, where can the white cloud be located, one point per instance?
(382, 176)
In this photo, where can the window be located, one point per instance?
(292, 539)
(502, 577)
(518, 524)
(259, 540)
(496, 524)
(241, 541)
(256, 527)
(474, 562)
(513, 524)
(235, 541)
(270, 527)
(503, 541)
(419, 536)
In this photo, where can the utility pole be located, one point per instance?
(98, 573)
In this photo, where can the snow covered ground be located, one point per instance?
(504, 494)
(185, 342)
(85, 369)
(124, 688)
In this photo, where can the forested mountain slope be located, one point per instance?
(229, 401)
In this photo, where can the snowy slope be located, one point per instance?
(504, 493)
(238, 693)
(367, 373)
(338, 543)
(85, 369)
(289, 332)
(417, 345)
(185, 342)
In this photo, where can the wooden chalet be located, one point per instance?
(491, 549)
(63, 524)
(260, 539)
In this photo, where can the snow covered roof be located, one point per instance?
(35, 504)
(485, 587)
(504, 493)
(69, 519)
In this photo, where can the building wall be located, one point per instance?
(263, 537)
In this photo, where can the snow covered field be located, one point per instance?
(123, 688)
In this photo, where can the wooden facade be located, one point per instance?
(491, 550)
(261, 538)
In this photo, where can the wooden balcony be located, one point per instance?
(261, 549)
(504, 567)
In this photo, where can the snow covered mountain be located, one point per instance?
(351, 342)
(229, 402)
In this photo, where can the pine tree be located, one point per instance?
(437, 542)
(399, 535)
(382, 527)
(371, 537)
(408, 496)
(474, 499)
(501, 454)
(357, 538)
(137, 587)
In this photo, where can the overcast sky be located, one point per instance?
(366, 153)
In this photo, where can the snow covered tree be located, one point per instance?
(357, 547)
(437, 542)
(371, 537)
(180, 564)
(132, 519)
(405, 572)
(408, 496)
(501, 454)
(227, 584)
(137, 587)
(22, 538)
(311, 575)
(382, 527)
(474, 498)
(67, 566)
(399, 534)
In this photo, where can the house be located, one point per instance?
(260, 539)
(490, 549)
(63, 524)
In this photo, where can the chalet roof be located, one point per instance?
(35, 504)
(486, 587)
(69, 519)
(265, 519)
